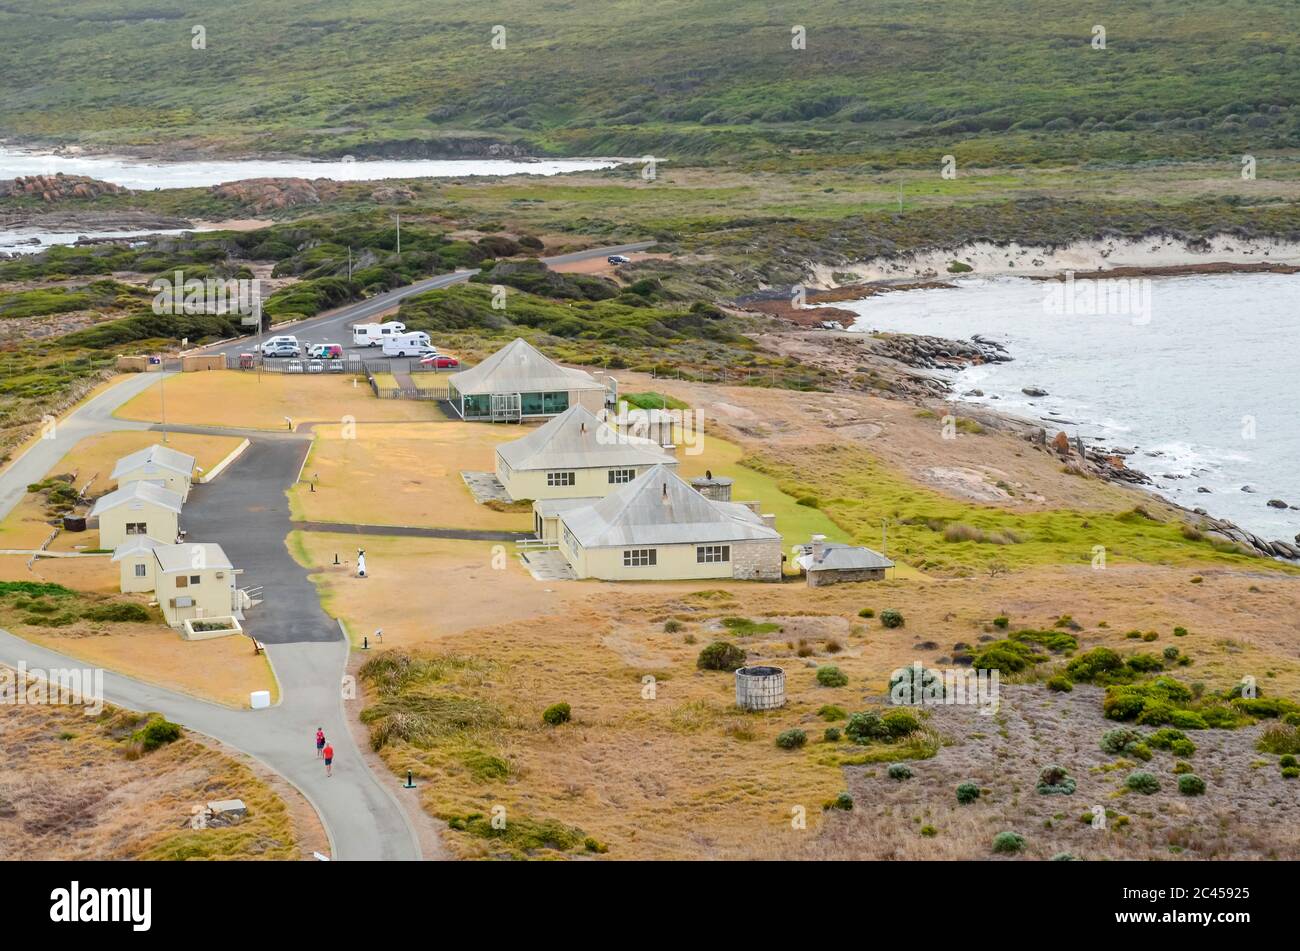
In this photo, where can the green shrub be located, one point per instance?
(672, 626)
(832, 712)
(1288, 760)
(1290, 772)
(1001, 621)
(556, 714)
(1063, 857)
(912, 685)
(1170, 653)
(791, 739)
(867, 612)
(1142, 782)
(1188, 720)
(1096, 664)
(809, 501)
(832, 734)
(864, 727)
(891, 618)
(1008, 656)
(158, 732)
(1120, 740)
(843, 801)
(1060, 683)
(1145, 663)
(899, 771)
(967, 793)
(1054, 780)
(116, 612)
(1172, 740)
(1180, 632)
(831, 676)
(721, 655)
(899, 723)
(1189, 784)
(1180, 767)
(1008, 843)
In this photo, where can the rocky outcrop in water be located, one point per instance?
(938, 353)
(58, 187)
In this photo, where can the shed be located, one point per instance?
(136, 558)
(518, 382)
(824, 562)
(194, 580)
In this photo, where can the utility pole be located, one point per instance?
(162, 395)
(399, 236)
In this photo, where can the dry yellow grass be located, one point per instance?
(243, 400)
(224, 670)
(71, 791)
(27, 526)
(685, 775)
(408, 474)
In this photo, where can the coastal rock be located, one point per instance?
(1202, 489)
(261, 195)
(59, 187)
(1061, 443)
(1276, 504)
(1033, 391)
(1247, 488)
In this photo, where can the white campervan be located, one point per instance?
(414, 344)
(374, 335)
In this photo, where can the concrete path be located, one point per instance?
(361, 817)
(412, 531)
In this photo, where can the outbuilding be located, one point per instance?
(138, 508)
(158, 464)
(518, 382)
(575, 455)
(824, 563)
(137, 563)
(194, 580)
(659, 528)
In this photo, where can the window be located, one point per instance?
(561, 478)
(137, 528)
(712, 554)
(182, 581)
(195, 579)
(141, 571)
(640, 557)
(620, 476)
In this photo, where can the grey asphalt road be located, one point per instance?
(335, 327)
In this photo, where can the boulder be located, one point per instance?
(1061, 443)
(1276, 504)
(1033, 391)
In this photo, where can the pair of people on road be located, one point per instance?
(324, 750)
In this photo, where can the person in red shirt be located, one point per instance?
(320, 741)
(329, 759)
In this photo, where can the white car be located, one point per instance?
(618, 259)
(279, 346)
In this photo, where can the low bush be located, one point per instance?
(1060, 683)
(899, 771)
(867, 612)
(832, 712)
(721, 655)
(843, 801)
(899, 723)
(891, 618)
(1008, 843)
(1142, 782)
(117, 613)
(158, 732)
(831, 676)
(1054, 780)
(791, 739)
(556, 714)
(1120, 741)
(1095, 665)
(864, 727)
(1001, 621)
(832, 734)
(1189, 784)
(672, 626)
(967, 793)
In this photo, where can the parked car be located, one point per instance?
(294, 366)
(439, 361)
(316, 366)
(280, 346)
(618, 259)
(325, 351)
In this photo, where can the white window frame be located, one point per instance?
(561, 479)
(640, 557)
(712, 554)
(621, 476)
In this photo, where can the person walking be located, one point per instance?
(329, 760)
(320, 741)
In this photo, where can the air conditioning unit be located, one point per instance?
(182, 602)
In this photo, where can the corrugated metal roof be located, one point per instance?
(158, 455)
(138, 492)
(658, 508)
(192, 556)
(135, 545)
(836, 556)
(519, 367)
(577, 439)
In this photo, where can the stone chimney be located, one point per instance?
(769, 519)
(818, 547)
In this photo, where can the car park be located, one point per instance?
(374, 335)
(281, 346)
(414, 344)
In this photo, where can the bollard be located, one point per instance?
(365, 643)
(336, 558)
(410, 780)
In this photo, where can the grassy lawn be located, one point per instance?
(409, 474)
(93, 458)
(244, 400)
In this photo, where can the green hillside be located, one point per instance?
(1014, 80)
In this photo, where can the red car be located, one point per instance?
(440, 361)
